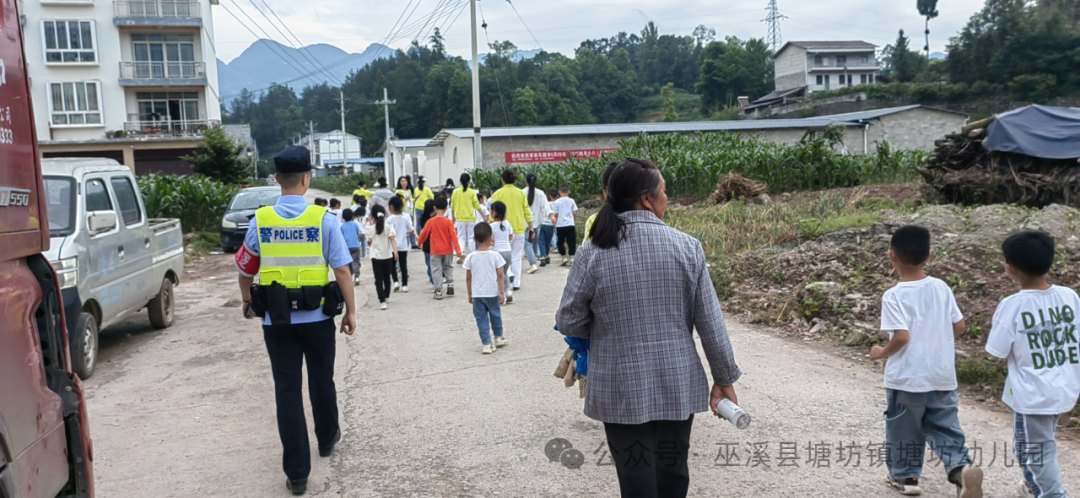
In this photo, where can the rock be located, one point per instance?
(823, 288)
(762, 200)
(856, 338)
(1056, 220)
(818, 329)
(854, 297)
(962, 354)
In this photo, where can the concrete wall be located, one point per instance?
(790, 66)
(914, 129)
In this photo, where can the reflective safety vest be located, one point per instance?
(291, 251)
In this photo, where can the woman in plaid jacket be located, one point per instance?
(638, 290)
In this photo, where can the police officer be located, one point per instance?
(290, 245)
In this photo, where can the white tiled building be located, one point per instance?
(826, 65)
(135, 80)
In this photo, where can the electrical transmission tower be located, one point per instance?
(773, 19)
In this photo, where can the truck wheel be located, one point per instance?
(160, 308)
(84, 346)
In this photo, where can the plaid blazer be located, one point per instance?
(640, 304)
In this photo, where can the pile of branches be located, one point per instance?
(964, 172)
(735, 186)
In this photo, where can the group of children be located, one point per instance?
(1034, 330)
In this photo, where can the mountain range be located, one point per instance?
(264, 63)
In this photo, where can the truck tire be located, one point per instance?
(84, 346)
(160, 308)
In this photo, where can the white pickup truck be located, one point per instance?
(110, 258)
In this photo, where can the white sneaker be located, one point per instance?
(565, 261)
(382, 306)
(533, 269)
(488, 348)
(500, 341)
(397, 286)
(405, 288)
(1025, 491)
(438, 294)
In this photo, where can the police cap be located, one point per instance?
(294, 159)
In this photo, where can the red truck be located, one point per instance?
(45, 447)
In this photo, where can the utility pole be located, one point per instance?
(386, 103)
(311, 139)
(478, 159)
(773, 20)
(344, 137)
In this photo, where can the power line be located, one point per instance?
(268, 37)
(506, 117)
(524, 24)
(300, 45)
(272, 48)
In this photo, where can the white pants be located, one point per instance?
(465, 235)
(517, 248)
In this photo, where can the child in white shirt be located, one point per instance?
(484, 276)
(501, 234)
(923, 321)
(1035, 331)
(403, 227)
(565, 209)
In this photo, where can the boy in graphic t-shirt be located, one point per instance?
(1035, 330)
(923, 321)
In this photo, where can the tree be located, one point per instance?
(927, 9)
(524, 107)
(734, 68)
(218, 157)
(669, 104)
(902, 66)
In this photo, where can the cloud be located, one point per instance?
(560, 25)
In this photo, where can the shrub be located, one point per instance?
(341, 185)
(196, 200)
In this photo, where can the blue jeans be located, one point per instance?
(914, 419)
(488, 316)
(1035, 447)
(530, 248)
(546, 234)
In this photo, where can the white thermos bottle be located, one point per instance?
(730, 411)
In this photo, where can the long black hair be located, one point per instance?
(531, 182)
(498, 211)
(509, 176)
(408, 183)
(630, 180)
(379, 213)
(465, 179)
(429, 211)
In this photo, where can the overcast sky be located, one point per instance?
(560, 25)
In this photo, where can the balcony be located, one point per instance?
(163, 74)
(156, 13)
(169, 128)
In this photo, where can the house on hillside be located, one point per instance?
(328, 152)
(802, 68)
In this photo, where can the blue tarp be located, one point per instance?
(1037, 131)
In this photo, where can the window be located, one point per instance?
(864, 60)
(168, 106)
(125, 197)
(817, 60)
(69, 42)
(97, 198)
(870, 78)
(819, 80)
(164, 56)
(75, 104)
(841, 60)
(825, 61)
(862, 79)
(849, 79)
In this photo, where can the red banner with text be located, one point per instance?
(552, 156)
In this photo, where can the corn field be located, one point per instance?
(196, 200)
(692, 165)
(341, 185)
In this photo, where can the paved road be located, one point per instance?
(189, 411)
